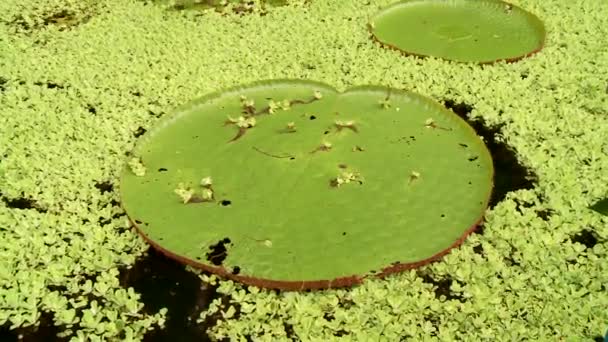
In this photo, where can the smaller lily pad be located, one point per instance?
(482, 31)
(601, 206)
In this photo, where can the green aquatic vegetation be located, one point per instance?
(137, 167)
(64, 129)
(314, 196)
(483, 31)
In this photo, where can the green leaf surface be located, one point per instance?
(328, 186)
(482, 31)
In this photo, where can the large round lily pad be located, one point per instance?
(481, 31)
(290, 184)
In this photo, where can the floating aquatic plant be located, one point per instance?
(481, 31)
(359, 188)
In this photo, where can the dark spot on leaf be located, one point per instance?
(236, 270)
(162, 169)
(218, 252)
(312, 117)
(472, 158)
(225, 202)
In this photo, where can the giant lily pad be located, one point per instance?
(291, 184)
(482, 31)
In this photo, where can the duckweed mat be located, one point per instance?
(80, 82)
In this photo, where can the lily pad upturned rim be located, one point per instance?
(408, 53)
(320, 284)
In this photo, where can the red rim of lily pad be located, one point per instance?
(305, 285)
